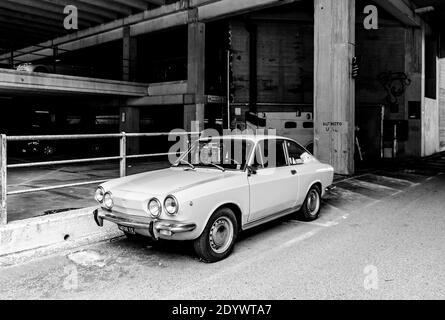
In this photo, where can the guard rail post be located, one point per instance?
(3, 181)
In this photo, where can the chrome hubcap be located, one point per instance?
(313, 202)
(221, 235)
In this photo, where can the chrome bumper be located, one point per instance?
(154, 226)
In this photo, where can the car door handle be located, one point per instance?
(294, 172)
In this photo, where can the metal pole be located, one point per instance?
(3, 181)
(228, 89)
(382, 128)
(12, 59)
(123, 155)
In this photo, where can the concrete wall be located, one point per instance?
(430, 125)
(284, 62)
(381, 50)
(442, 104)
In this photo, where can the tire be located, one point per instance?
(310, 210)
(218, 238)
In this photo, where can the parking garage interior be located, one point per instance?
(172, 62)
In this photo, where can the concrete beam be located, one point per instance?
(167, 88)
(136, 4)
(161, 18)
(401, 11)
(29, 18)
(113, 6)
(12, 81)
(52, 8)
(174, 99)
(104, 33)
(170, 99)
(334, 88)
(80, 4)
(221, 9)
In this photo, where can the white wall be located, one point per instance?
(442, 104)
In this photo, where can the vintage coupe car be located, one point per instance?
(219, 187)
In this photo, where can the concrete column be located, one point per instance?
(334, 88)
(129, 55)
(413, 95)
(196, 75)
(442, 103)
(130, 123)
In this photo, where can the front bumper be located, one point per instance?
(154, 227)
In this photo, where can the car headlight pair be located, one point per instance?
(104, 198)
(170, 204)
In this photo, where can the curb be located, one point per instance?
(53, 232)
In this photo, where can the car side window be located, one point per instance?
(295, 152)
(270, 154)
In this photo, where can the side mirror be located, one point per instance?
(299, 162)
(251, 170)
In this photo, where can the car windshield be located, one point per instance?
(218, 153)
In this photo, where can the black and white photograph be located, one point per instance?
(220, 157)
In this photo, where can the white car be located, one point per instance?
(218, 188)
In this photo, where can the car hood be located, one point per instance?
(168, 181)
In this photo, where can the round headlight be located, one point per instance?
(108, 200)
(171, 205)
(154, 207)
(99, 195)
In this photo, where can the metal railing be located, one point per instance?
(4, 166)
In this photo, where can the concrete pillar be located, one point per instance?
(196, 75)
(130, 123)
(442, 103)
(129, 55)
(334, 88)
(413, 95)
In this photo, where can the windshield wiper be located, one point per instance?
(187, 163)
(217, 166)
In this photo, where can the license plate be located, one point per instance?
(127, 229)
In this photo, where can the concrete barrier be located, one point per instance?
(57, 229)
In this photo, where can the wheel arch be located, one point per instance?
(318, 184)
(236, 210)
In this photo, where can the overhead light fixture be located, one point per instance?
(424, 10)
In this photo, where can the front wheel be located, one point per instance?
(311, 206)
(218, 238)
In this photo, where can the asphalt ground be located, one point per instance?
(380, 236)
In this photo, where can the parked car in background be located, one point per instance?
(73, 70)
(220, 187)
(295, 125)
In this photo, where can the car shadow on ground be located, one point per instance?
(185, 248)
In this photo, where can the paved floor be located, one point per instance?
(380, 235)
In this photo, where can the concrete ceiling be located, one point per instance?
(436, 16)
(28, 22)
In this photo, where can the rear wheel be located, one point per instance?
(311, 206)
(218, 238)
